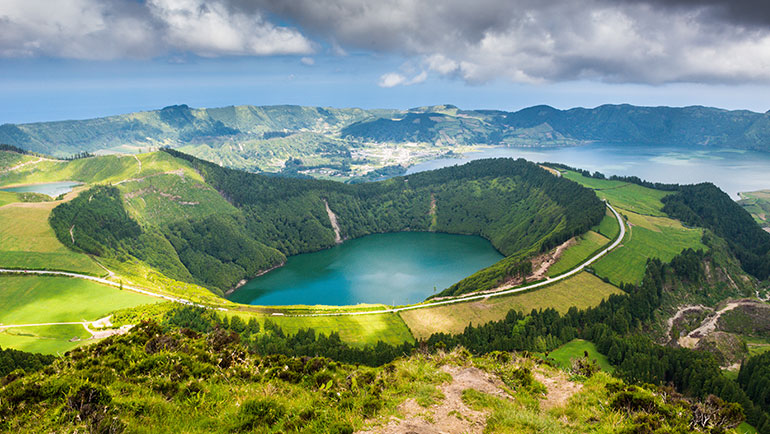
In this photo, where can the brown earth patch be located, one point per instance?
(560, 389)
(451, 415)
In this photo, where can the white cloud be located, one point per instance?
(641, 41)
(108, 29)
(309, 61)
(210, 28)
(393, 79)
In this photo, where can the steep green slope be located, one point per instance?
(707, 206)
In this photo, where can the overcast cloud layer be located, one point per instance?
(650, 41)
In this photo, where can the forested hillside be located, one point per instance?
(707, 206)
(521, 208)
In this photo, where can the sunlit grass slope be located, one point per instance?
(44, 299)
(103, 169)
(577, 349)
(646, 237)
(44, 339)
(585, 245)
(582, 291)
(623, 194)
(27, 241)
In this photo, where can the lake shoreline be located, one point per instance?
(245, 281)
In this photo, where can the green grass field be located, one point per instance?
(583, 290)
(44, 299)
(7, 197)
(650, 234)
(745, 428)
(585, 245)
(757, 203)
(624, 195)
(647, 237)
(28, 241)
(609, 226)
(576, 348)
(757, 345)
(103, 169)
(353, 329)
(44, 339)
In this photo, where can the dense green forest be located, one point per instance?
(754, 377)
(11, 360)
(519, 207)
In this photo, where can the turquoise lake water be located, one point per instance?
(52, 189)
(396, 268)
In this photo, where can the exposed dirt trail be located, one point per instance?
(708, 325)
(451, 415)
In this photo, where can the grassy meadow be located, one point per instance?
(167, 198)
(28, 241)
(624, 195)
(646, 237)
(44, 299)
(757, 203)
(582, 290)
(585, 245)
(353, 329)
(105, 169)
(44, 339)
(608, 227)
(576, 348)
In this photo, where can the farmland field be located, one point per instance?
(582, 290)
(28, 241)
(646, 237)
(624, 195)
(577, 348)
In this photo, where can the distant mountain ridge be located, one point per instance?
(182, 126)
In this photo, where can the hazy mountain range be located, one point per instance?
(239, 128)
